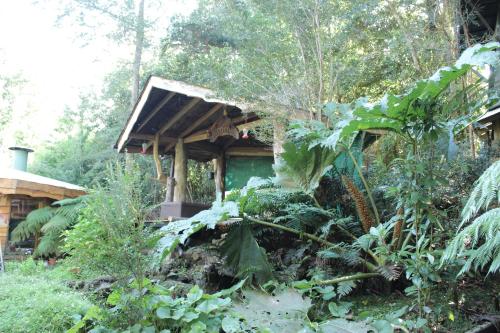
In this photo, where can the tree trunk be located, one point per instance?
(139, 44)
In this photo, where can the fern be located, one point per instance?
(345, 252)
(344, 288)
(300, 215)
(33, 223)
(244, 255)
(479, 242)
(50, 222)
(486, 189)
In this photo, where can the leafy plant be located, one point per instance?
(244, 255)
(149, 307)
(111, 236)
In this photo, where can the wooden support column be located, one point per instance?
(220, 175)
(4, 221)
(279, 130)
(180, 171)
(169, 196)
(156, 156)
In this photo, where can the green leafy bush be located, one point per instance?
(110, 235)
(149, 307)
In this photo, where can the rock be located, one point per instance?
(201, 265)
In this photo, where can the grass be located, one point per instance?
(35, 299)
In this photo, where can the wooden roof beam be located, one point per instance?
(181, 113)
(197, 123)
(157, 109)
(150, 137)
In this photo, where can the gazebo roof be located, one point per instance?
(25, 183)
(171, 110)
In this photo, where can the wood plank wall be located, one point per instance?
(4, 220)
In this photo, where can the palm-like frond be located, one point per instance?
(57, 224)
(51, 221)
(486, 190)
(33, 223)
(479, 243)
(49, 244)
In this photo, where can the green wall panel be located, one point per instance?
(240, 169)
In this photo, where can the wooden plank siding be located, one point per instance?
(4, 220)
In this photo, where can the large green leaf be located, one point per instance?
(244, 255)
(345, 326)
(283, 312)
(301, 166)
(396, 112)
(178, 232)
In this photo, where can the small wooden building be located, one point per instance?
(21, 192)
(491, 125)
(187, 122)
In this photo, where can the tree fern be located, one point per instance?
(33, 223)
(50, 222)
(486, 189)
(479, 242)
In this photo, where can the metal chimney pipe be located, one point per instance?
(20, 160)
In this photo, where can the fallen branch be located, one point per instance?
(371, 267)
(358, 276)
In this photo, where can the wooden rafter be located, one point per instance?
(181, 113)
(157, 109)
(197, 123)
(150, 137)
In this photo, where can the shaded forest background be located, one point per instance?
(282, 55)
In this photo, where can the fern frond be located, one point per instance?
(344, 252)
(33, 223)
(344, 288)
(486, 189)
(479, 243)
(49, 244)
(57, 224)
(300, 215)
(389, 272)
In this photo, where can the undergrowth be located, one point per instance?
(35, 299)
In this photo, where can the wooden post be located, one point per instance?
(169, 196)
(220, 173)
(278, 138)
(180, 171)
(156, 156)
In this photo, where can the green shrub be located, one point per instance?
(110, 236)
(33, 299)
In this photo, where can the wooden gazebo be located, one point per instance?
(187, 122)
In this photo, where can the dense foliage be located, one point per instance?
(383, 188)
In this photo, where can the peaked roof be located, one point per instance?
(25, 183)
(168, 110)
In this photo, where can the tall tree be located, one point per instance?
(304, 53)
